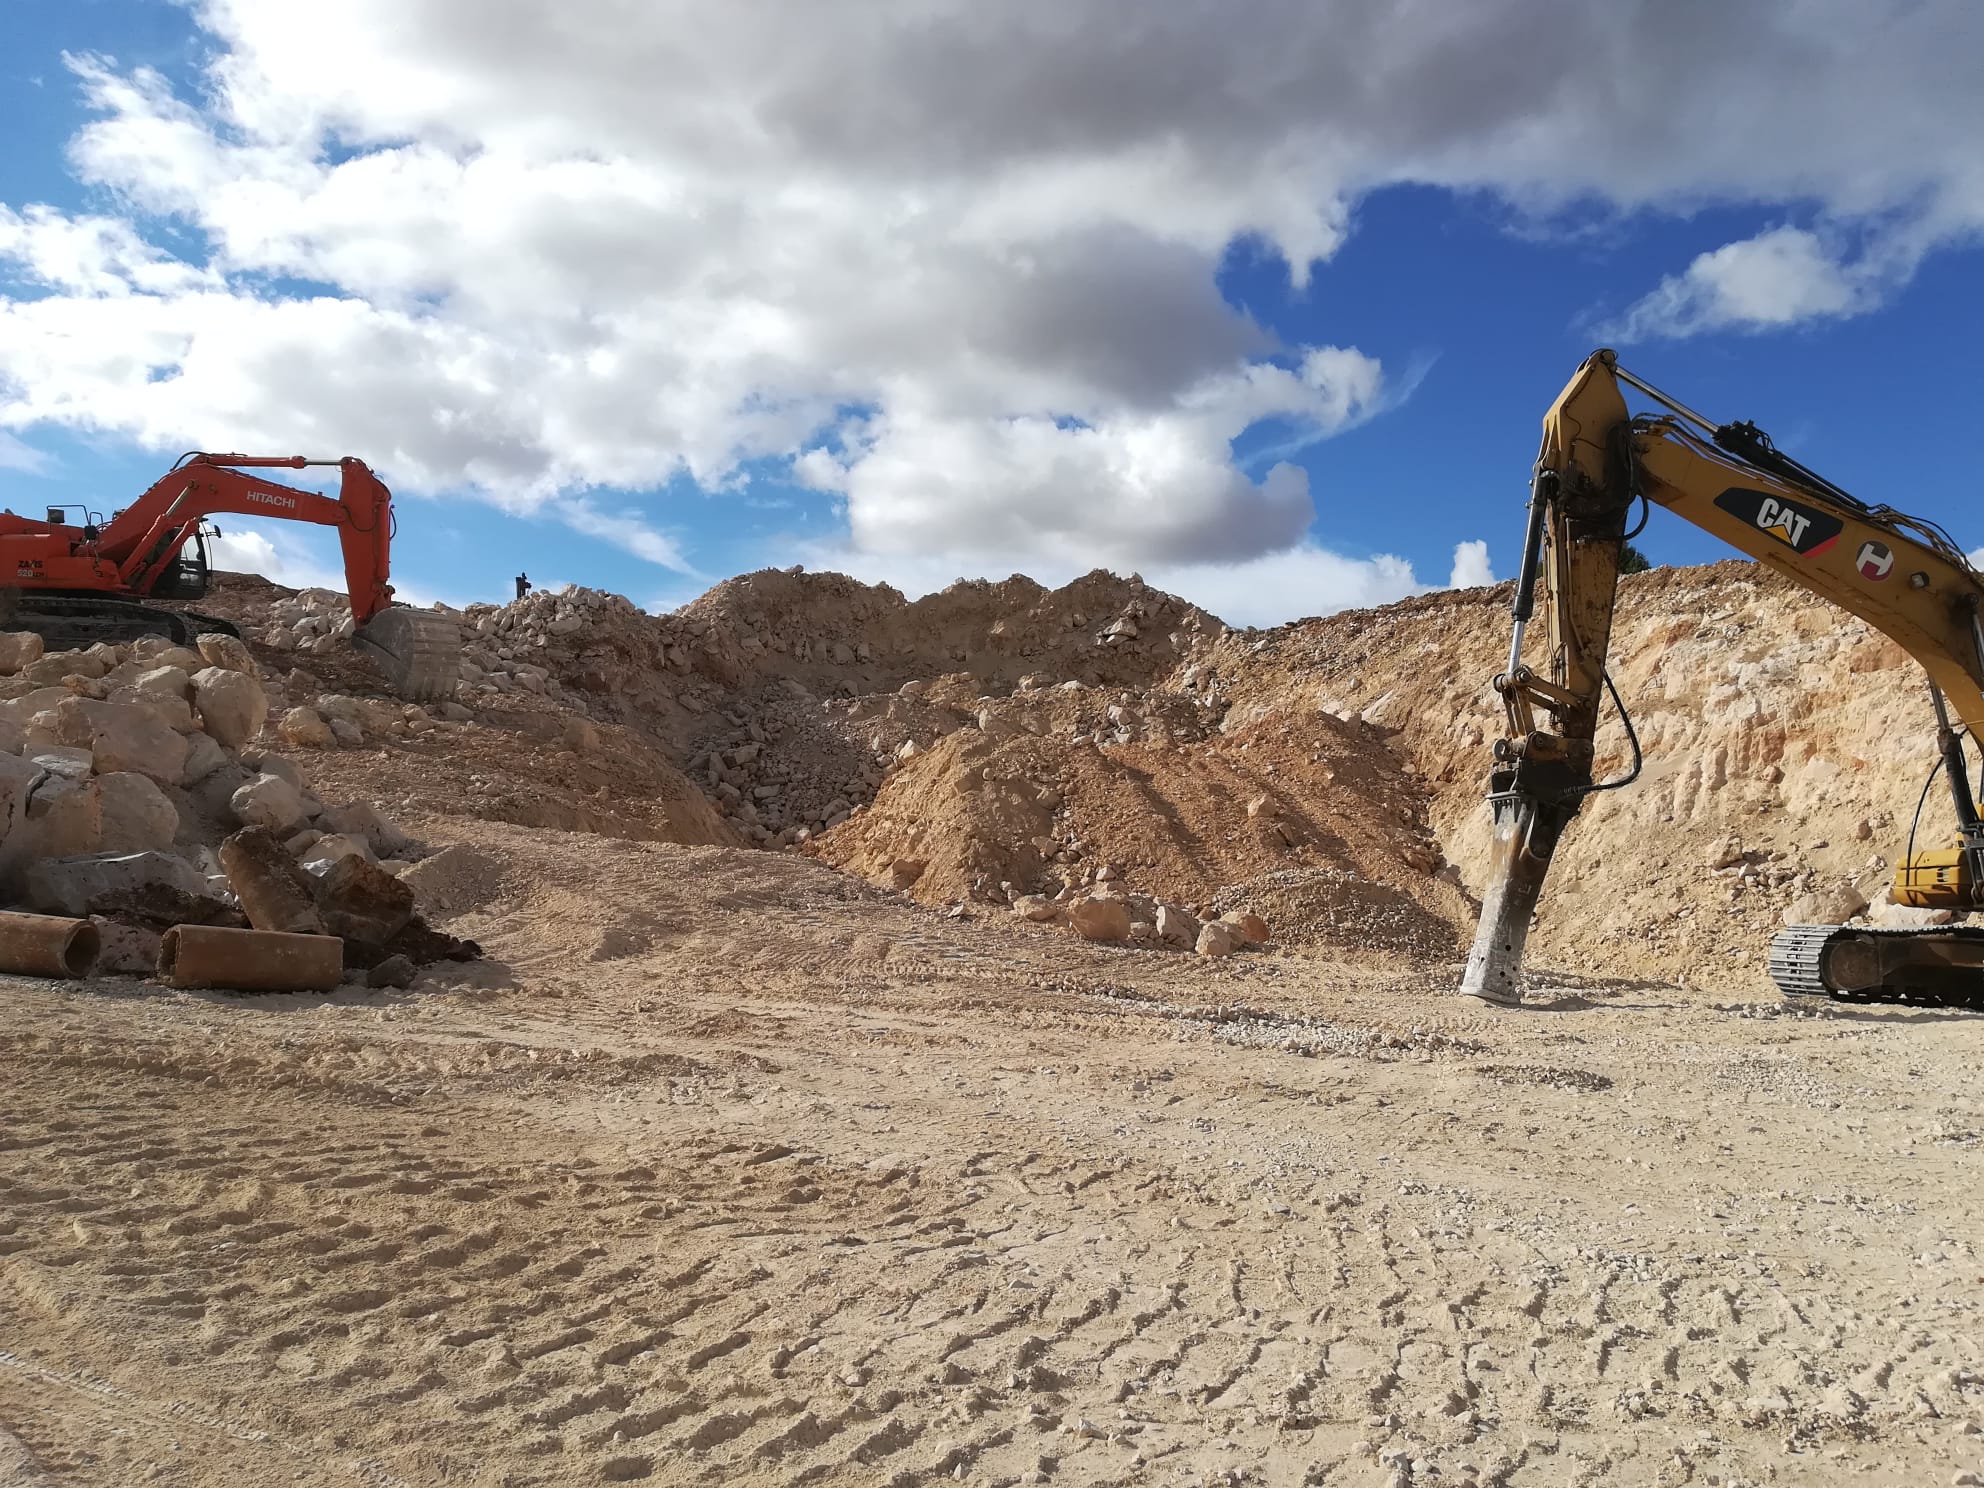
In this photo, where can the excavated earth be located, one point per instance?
(768, 1146)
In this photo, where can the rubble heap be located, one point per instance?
(123, 768)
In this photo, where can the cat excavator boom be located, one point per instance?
(1902, 575)
(79, 582)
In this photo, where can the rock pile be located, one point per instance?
(123, 767)
(1111, 912)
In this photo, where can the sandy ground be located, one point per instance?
(729, 1170)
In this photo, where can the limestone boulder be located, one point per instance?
(1217, 938)
(1100, 919)
(19, 649)
(1831, 905)
(272, 802)
(364, 823)
(203, 757)
(63, 818)
(1176, 926)
(70, 885)
(175, 681)
(1036, 907)
(136, 814)
(232, 705)
(1253, 930)
(230, 653)
(123, 736)
(65, 760)
(304, 728)
(53, 666)
(174, 711)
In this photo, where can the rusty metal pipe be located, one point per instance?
(249, 960)
(47, 945)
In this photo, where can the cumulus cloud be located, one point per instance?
(1471, 570)
(1775, 279)
(246, 549)
(955, 262)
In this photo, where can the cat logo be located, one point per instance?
(1800, 528)
(1876, 561)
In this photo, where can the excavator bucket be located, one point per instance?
(419, 651)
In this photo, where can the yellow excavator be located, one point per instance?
(1901, 574)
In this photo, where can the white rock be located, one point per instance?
(123, 737)
(230, 653)
(270, 801)
(137, 815)
(170, 681)
(233, 707)
(18, 650)
(203, 756)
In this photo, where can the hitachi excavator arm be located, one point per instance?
(1903, 576)
(147, 535)
(69, 579)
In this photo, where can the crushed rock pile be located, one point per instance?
(999, 742)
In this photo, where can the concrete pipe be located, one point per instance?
(47, 945)
(249, 960)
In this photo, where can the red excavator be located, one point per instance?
(78, 583)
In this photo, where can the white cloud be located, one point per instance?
(1776, 279)
(1471, 570)
(15, 455)
(275, 555)
(960, 260)
(626, 531)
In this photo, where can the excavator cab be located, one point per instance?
(187, 576)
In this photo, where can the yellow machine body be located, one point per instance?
(1936, 880)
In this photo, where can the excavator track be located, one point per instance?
(1941, 967)
(419, 651)
(76, 621)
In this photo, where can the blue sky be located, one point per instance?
(641, 309)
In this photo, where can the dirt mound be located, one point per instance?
(1784, 741)
(1766, 717)
(995, 810)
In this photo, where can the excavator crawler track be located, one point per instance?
(419, 651)
(1941, 967)
(75, 621)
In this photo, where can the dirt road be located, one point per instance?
(729, 1170)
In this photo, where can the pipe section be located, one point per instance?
(249, 960)
(47, 945)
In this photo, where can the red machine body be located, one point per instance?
(136, 554)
